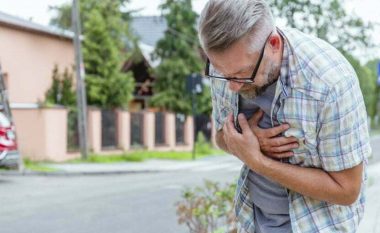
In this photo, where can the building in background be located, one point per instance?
(28, 54)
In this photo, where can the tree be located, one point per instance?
(106, 30)
(179, 53)
(367, 83)
(67, 92)
(62, 18)
(61, 91)
(52, 96)
(327, 20)
(372, 67)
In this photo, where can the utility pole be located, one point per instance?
(193, 106)
(80, 77)
(194, 87)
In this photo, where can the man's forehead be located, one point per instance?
(232, 63)
(234, 60)
(231, 70)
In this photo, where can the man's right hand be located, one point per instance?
(271, 144)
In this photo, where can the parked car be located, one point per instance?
(9, 155)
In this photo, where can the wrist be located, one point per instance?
(259, 162)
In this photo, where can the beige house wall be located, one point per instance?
(28, 59)
(42, 133)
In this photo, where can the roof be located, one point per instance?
(20, 23)
(149, 29)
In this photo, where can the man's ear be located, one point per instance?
(275, 42)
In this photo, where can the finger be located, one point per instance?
(272, 132)
(230, 117)
(280, 141)
(225, 130)
(230, 124)
(254, 121)
(281, 155)
(243, 124)
(285, 148)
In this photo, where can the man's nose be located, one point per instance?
(234, 86)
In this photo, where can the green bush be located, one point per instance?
(202, 146)
(208, 209)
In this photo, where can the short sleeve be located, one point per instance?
(343, 139)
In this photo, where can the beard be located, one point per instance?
(251, 91)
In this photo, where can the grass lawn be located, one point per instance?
(37, 166)
(139, 156)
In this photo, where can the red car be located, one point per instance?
(9, 155)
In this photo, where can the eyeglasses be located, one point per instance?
(239, 80)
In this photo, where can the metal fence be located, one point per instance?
(180, 128)
(72, 131)
(203, 125)
(137, 125)
(160, 128)
(109, 129)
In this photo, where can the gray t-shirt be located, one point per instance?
(270, 200)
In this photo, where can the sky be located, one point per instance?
(38, 10)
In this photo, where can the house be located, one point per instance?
(150, 29)
(28, 54)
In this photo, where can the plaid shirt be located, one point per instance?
(321, 99)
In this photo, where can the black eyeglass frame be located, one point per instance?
(239, 80)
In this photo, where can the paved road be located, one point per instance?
(375, 144)
(132, 203)
(371, 219)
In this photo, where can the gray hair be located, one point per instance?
(223, 22)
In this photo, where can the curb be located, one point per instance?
(64, 173)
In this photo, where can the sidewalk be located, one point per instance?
(153, 165)
(371, 219)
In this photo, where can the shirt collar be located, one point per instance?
(285, 64)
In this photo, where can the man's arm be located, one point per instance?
(340, 188)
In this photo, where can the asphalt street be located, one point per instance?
(131, 203)
(128, 203)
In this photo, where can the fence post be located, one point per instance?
(189, 131)
(170, 130)
(124, 130)
(94, 129)
(149, 130)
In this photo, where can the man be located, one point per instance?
(306, 144)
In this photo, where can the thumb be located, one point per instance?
(254, 121)
(243, 123)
